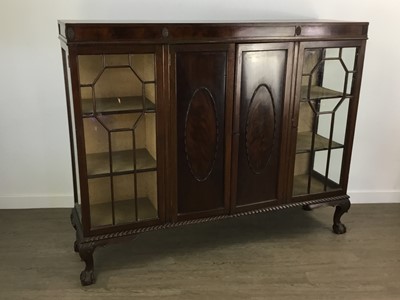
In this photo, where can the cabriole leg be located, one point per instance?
(76, 245)
(343, 207)
(86, 254)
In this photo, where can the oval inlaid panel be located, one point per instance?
(201, 134)
(260, 129)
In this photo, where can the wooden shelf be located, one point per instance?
(318, 92)
(98, 164)
(300, 183)
(101, 214)
(320, 143)
(117, 105)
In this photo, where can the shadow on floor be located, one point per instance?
(194, 239)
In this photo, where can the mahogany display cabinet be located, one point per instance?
(174, 124)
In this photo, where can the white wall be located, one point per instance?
(34, 150)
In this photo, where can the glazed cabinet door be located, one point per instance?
(201, 85)
(118, 106)
(263, 78)
(326, 100)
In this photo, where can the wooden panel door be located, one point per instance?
(261, 104)
(202, 100)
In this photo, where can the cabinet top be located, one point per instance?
(222, 31)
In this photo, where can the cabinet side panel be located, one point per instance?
(71, 127)
(200, 95)
(262, 94)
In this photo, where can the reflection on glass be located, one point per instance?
(118, 109)
(324, 102)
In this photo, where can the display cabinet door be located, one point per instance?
(261, 103)
(326, 99)
(117, 107)
(201, 104)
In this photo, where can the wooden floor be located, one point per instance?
(290, 254)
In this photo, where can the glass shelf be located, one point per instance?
(300, 184)
(124, 212)
(114, 105)
(318, 92)
(98, 163)
(320, 143)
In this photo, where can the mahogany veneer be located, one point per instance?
(175, 124)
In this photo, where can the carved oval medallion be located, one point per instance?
(201, 134)
(260, 129)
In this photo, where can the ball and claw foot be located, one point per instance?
(87, 277)
(342, 208)
(86, 254)
(339, 228)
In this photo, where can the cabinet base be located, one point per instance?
(85, 246)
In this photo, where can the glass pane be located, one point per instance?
(147, 196)
(339, 132)
(149, 93)
(100, 201)
(97, 149)
(116, 60)
(320, 162)
(150, 142)
(349, 57)
(143, 64)
(349, 83)
(335, 167)
(90, 67)
(332, 52)
(124, 199)
(334, 75)
(119, 118)
(311, 59)
(324, 102)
